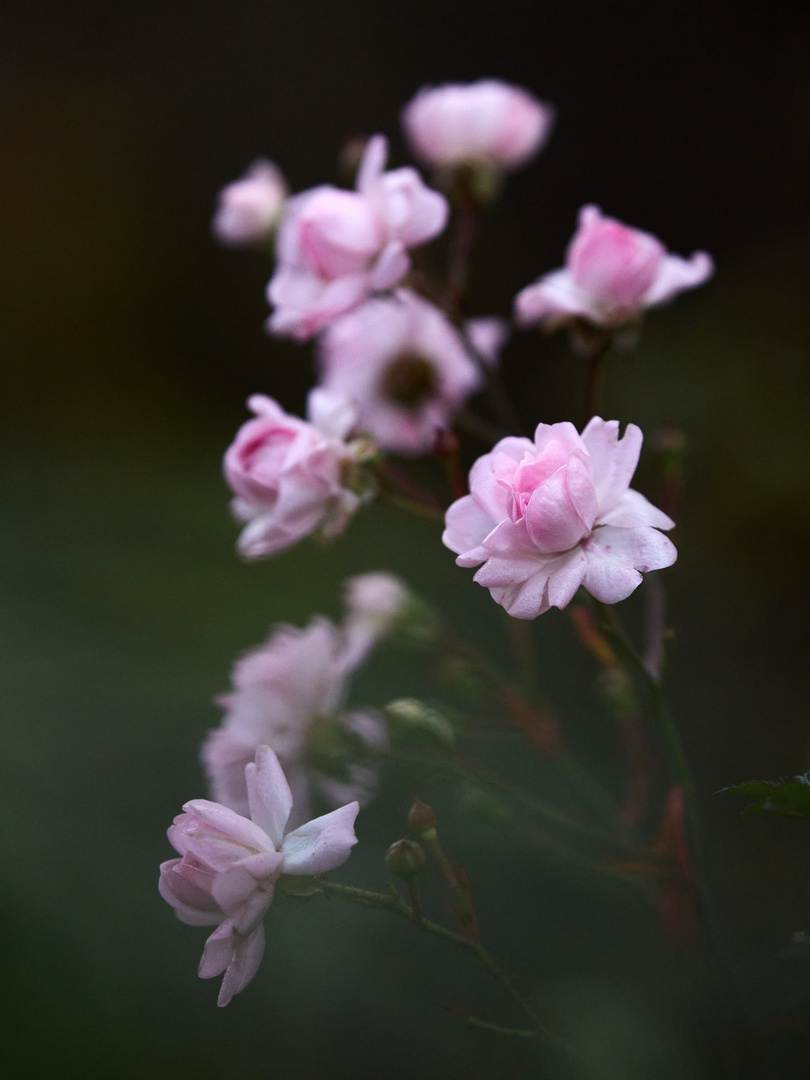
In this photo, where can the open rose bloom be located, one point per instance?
(289, 476)
(403, 364)
(611, 274)
(549, 515)
(229, 865)
(488, 123)
(335, 248)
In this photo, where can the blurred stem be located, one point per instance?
(471, 768)
(679, 766)
(394, 902)
(401, 490)
(541, 729)
(655, 629)
(496, 391)
(479, 428)
(412, 506)
(596, 364)
(461, 245)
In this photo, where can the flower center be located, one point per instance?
(409, 380)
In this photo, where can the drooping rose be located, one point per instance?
(611, 274)
(335, 248)
(488, 123)
(230, 864)
(545, 516)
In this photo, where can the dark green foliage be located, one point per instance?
(790, 797)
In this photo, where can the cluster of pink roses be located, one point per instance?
(543, 516)
(393, 367)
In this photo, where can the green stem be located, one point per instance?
(471, 768)
(591, 791)
(681, 773)
(412, 506)
(592, 384)
(394, 902)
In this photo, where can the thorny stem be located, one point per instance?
(394, 902)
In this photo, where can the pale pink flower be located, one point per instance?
(549, 515)
(488, 122)
(335, 248)
(230, 865)
(611, 274)
(404, 364)
(487, 335)
(279, 691)
(374, 603)
(282, 691)
(289, 476)
(248, 208)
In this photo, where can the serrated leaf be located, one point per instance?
(788, 797)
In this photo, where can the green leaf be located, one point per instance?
(789, 797)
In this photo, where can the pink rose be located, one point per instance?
(248, 208)
(487, 123)
(229, 866)
(374, 602)
(285, 693)
(289, 475)
(547, 516)
(335, 248)
(405, 366)
(280, 690)
(611, 274)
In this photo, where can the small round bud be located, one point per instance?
(421, 816)
(405, 859)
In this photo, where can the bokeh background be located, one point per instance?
(129, 343)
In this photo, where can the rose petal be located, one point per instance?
(269, 794)
(322, 844)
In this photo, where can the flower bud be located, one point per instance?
(405, 859)
(411, 717)
(421, 816)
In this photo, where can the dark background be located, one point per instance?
(129, 343)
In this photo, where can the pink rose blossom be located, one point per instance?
(335, 248)
(374, 603)
(282, 691)
(487, 335)
(248, 208)
(547, 516)
(487, 123)
(289, 475)
(611, 274)
(230, 864)
(404, 364)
